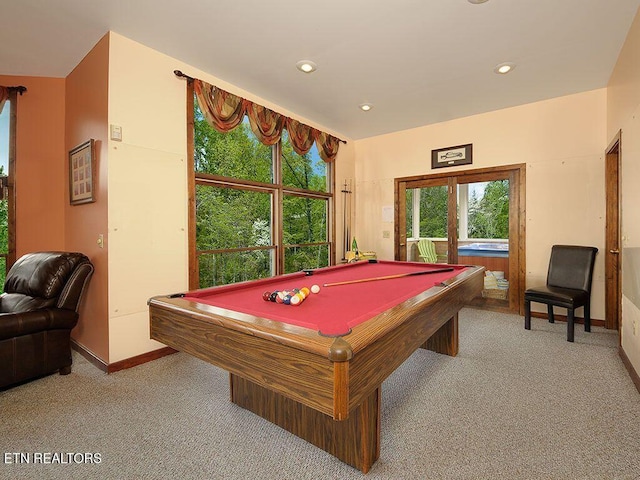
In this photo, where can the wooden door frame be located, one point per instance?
(516, 174)
(612, 269)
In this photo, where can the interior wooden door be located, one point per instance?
(612, 235)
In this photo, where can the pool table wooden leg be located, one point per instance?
(355, 441)
(445, 340)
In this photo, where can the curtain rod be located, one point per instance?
(178, 73)
(20, 89)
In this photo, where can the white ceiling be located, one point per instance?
(417, 61)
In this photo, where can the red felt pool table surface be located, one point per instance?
(335, 309)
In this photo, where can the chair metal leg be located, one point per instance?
(570, 325)
(587, 318)
(527, 315)
(550, 313)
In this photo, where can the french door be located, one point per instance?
(473, 217)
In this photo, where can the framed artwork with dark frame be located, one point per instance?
(82, 165)
(451, 156)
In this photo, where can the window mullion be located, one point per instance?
(276, 209)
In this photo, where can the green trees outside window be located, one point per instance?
(5, 134)
(489, 213)
(4, 233)
(486, 208)
(260, 210)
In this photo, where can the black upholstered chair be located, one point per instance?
(38, 309)
(568, 285)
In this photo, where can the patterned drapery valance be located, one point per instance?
(5, 92)
(224, 111)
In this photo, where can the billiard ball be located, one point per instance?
(315, 288)
(265, 296)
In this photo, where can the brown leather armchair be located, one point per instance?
(38, 309)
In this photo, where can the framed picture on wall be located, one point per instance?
(82, 173)
(451, 156)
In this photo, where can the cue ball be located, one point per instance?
(315, 288)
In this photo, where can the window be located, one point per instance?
(7, 149)
(259, 210)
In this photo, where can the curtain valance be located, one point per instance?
(6, 91)
(224, 111)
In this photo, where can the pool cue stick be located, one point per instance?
(349, 206)
(388, 277)
(346, 221)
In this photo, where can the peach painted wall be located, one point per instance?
(86, 117)
(40, 173)
(562, 142)
(623, 105)
(147, 182)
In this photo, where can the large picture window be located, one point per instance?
(8, 122)
(259, 210)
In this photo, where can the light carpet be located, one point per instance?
(514, 404)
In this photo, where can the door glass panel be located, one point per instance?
(427, 220)
(483, 233)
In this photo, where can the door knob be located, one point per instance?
(616, 252)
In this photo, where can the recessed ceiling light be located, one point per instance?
(306, 66)
(365, 107)
(504, 68)
(476, 2)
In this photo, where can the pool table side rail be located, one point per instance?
(279, 332)
(379, 326)
(298, 374)
(415, 323)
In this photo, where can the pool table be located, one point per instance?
(316, 368)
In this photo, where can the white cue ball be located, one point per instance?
(315, 288)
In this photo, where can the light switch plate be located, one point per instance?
(116, 133)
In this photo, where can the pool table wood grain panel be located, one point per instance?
(301, 375)
(371, 366)
(355, 441)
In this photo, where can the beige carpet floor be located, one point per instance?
(514, 404)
